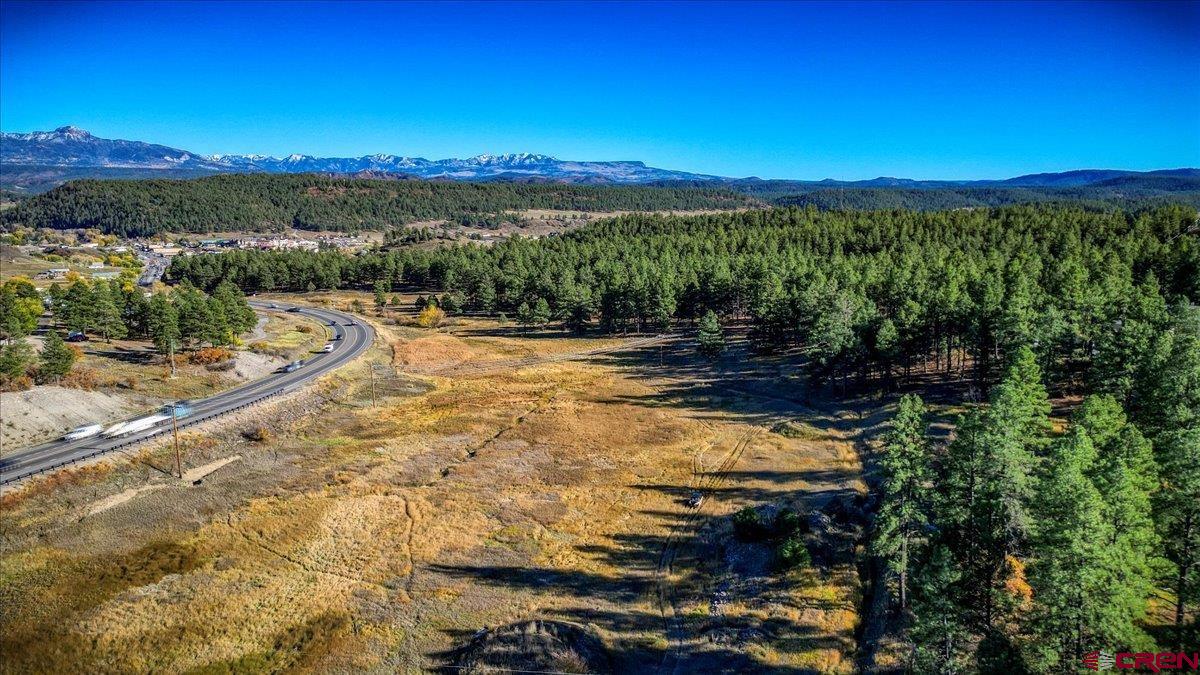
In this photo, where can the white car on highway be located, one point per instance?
(327, 348)
(85, 431)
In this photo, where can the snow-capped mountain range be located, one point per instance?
(74, 147)
(37, 161)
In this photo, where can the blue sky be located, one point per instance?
(780, 90)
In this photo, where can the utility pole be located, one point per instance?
(372, 385)
(175, 433)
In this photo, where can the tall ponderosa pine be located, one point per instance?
(711, 337)
(77, 312)
(541, 313)
(163, 324)
(238, 313)
(903, 512)
(1171, 412)
(56, 358)
(939, 635)
(1069, 575)
(107, 318)
(381, 289)
(987, 484)
(1125, 474)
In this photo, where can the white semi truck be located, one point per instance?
(133, 426)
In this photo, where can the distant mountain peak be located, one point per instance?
(73, 132)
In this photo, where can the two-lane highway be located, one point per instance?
(352, 337)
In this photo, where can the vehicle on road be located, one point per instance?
(351, 323)
(181, 409)
(293, 309)
(336, 336)
(293, 366)
(133, 426)
(85, 431)
(327, 348)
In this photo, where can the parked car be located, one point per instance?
(85, 431)
(77, 336)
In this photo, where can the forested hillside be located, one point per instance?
(1121, 191)
(316, 202)
(1014, 547)
(858, 290)
(1181, 191)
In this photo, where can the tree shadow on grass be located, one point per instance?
(666, 605)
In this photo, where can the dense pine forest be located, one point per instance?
(862, 293)
(1014, 546)
(252, 202)
(316, 202)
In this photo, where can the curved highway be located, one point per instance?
(351, 338)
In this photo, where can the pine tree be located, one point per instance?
(1123, 471)
(218, 332)
(906, 475)
(238, 312)
(939, 635)
(56, 358)
(1177, 509)
(1070, 573)
(525, 315)
(163, 324)
(106, 317)
(77, 310)
(1169, 408)
(987, 485)
(381, 289)
(887, 347)
(541, 313)
(711, 336)
(15, 357)
(485, 295)
(195, 317)
(58, 303)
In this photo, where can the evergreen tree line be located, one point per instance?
(184, 318)
(1017, 549)
(1124, 192)
(253, 202)
(866, 294)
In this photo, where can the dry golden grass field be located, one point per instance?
(536, 491)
